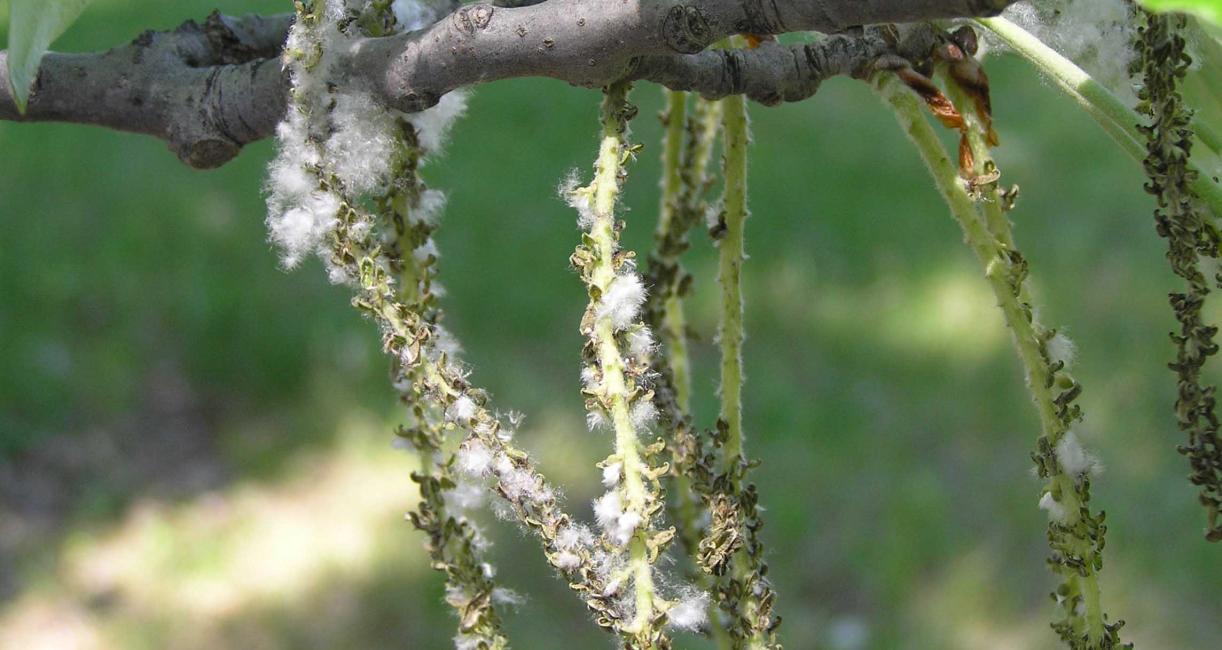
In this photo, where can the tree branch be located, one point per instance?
(206, 89)
(210, 89)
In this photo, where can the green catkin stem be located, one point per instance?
(1118, 120)
(450, 539)
(753, 627)
(441, 383)
(683, 170)
(673, 330)
(373, 248)
(729, 276)
(603, 243)
(1077, 542)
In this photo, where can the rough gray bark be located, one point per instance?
(206, 89)
(210, 89)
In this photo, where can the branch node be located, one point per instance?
(686, 29)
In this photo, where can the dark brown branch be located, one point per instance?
(210, 89)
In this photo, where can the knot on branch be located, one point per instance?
(470, 19)
(206, 153)
(686, 29)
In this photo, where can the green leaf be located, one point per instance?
(33, 26)
(1209, 11)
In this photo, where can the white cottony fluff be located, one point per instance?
(622, 301)
(625, 527)
(428, 208)
(607, 510)
(578, 200)
(1056, 511)
(1072, 458)
(412, 14)
(465, 496)
(691, 613)
(589, 378)
(289, 180)
(362, 143)
(1061, 349)
(338, 274)
(467, 642)
(1095, 34)
(474, 458)
(611, 474)
(423, 252)
(503, 596)
(445, 341)
(618, 524)
(433, 124)
(299, 230)
(643, 414)
(502, 466)
(566, 560)
(572, 536)
(462, 410)
(596, 419)
(640, 342)
(521, 483)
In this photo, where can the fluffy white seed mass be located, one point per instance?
(596, 419)
(300, 229)
(691, 613)
(1072, 458)
(428, 208)
(433, 124)
(611, 474)
(573, 536)
(566, 560)
(1095, 34)
(363, 142)
(618, 524)
(1056, 511)
(474, 458)
(332, 129)
(640, 342)
(462, 410)
(465, 496)
(643, 414)
(622, 301)
(411, 15)
(1061, 349)
(607, 510)
(578, 200)
(520, 483)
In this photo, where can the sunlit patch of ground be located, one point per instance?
(947, 312)
(223, 553)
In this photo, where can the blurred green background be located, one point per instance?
(195, 445)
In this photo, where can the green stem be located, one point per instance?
(987, 235)
(729, 275)
(619, 392)
(682, 182)
(746, 566)
(673, 331)
(1118, 120)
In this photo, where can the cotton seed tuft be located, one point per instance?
(622, 301)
